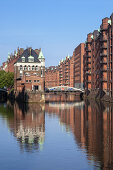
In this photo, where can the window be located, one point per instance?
(21, 73)
(31, 59)
(29, 80)
(25, 67)
(23, 59)
(20, 67)
(36, 68)
(29, 68)
(26, 81)
(38, 81)
(35, 81)
(33, 68)
(41, 73)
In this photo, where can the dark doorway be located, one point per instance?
(35, 88)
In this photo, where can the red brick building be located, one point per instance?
(98, 60)
(11, 60)
(69, 72)
(29, 71)
(59, 75)
(52, 76)
(78, 65)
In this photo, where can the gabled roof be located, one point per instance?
(29, 52)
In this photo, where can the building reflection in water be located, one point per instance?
(92, 126)
(90, 122)
(28, 126)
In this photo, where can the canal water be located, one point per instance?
(56, 136)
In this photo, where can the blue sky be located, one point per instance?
(56, 26)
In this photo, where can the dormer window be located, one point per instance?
(30, 59)
(23, 59)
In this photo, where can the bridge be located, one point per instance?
(63, 94)
(3, 95)
(64, 89)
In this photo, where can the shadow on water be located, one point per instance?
(19, 97)
(3, 95)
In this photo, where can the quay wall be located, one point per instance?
(41, 97)
(30, 97)
(63, 97)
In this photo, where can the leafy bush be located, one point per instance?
(6, 79)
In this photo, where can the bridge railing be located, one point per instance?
(64, 89)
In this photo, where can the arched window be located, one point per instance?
(33, 68)
(21, 67)
(36, 68)
(25, 67)
(29, 68)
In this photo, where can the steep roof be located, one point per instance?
(41, 56)
(29, 53)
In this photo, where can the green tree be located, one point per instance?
(6, 79)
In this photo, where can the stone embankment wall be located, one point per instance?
(63, 97)
(41, 97)
(30, 97)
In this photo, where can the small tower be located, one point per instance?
(41, 57)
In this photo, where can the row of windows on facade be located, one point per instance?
(30, 60)
(31, 81)
(28, 68)
(27, 74)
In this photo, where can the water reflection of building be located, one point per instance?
(98, 132)
(92, 126)
(28, 126)
(68, 113)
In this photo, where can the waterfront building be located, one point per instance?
(98, 60)
(59, 75)
(78, 66)
(8, 66)
(51, 76)
(69, 72)
(29, 71)
(64, 72)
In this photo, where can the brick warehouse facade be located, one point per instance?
(51, 76)
(90, 67)
(69, 72)
(11, 60)
(98, 67)
(78, 66)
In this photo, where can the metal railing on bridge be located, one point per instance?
(64, 89)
